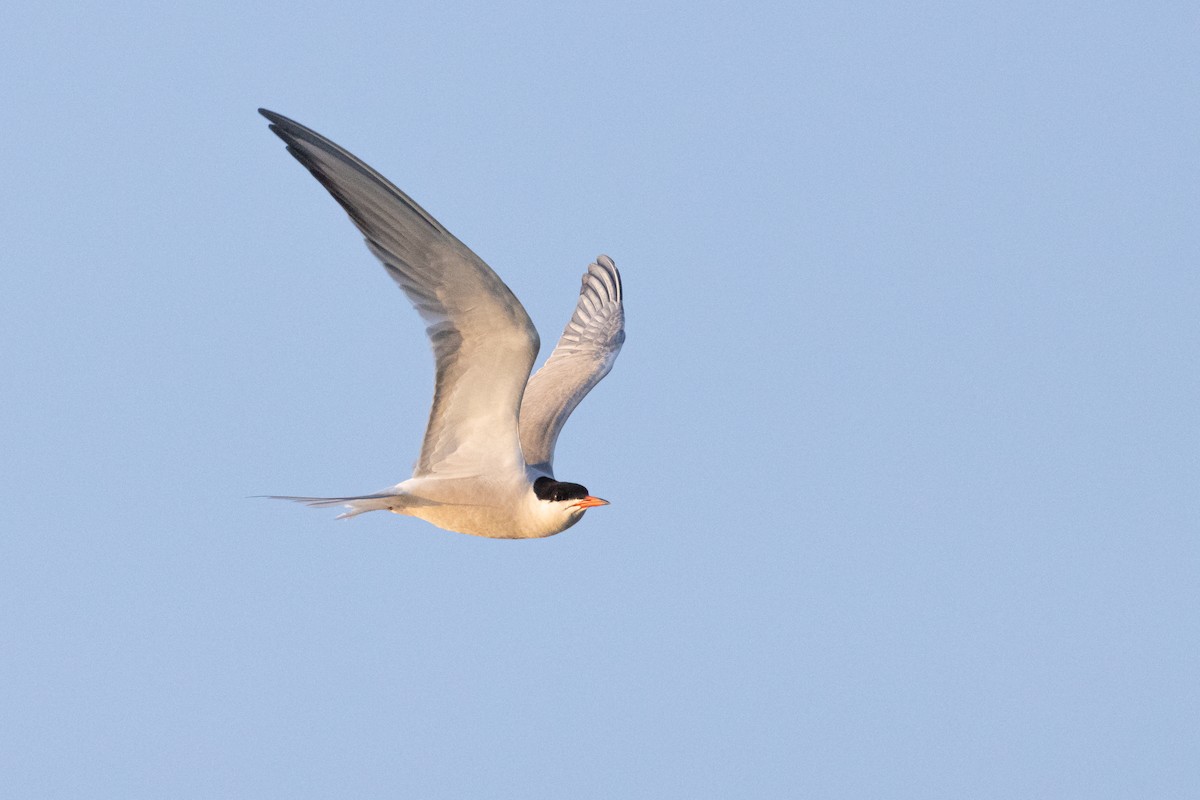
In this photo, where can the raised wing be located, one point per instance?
(483, 341)
(585, 353)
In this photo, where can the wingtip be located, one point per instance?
(286, 128)
(280, 125)
(604, 270)
(605, 264)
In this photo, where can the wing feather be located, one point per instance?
(483, 341)
(584, 355)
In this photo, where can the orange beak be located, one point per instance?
(589, 502)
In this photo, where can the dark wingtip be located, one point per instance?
(283, 127)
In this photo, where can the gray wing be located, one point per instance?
(584, 355)
(483, 341)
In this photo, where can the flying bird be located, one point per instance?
(486, 466)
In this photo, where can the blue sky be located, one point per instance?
(902, 446)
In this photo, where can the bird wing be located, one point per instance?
(583, 356)
(483, 342)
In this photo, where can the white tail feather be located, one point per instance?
(357, 505)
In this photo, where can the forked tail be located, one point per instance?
(361, 504)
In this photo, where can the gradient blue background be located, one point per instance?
(902, 446)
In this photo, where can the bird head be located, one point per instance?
(569, 498)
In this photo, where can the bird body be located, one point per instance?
(486, 464)
(497, 507)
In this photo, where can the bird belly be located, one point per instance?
(489, 522)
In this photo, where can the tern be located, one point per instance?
(486, 466)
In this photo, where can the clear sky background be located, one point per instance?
(902, 446)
